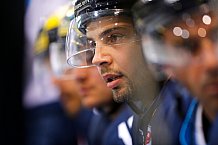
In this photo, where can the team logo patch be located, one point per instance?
(148, 136)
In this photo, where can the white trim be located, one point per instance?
(123, 133)
(199, 133)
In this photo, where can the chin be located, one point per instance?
(120, 95)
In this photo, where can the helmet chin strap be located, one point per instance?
(137, 106)
(146, 113)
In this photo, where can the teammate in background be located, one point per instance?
(45, 120)
(110, 120)
(182, 36)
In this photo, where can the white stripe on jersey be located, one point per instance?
(130, 121)
(123, 133)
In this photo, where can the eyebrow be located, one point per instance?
(106, 32)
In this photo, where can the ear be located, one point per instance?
(54, 80)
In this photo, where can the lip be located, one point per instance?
(84, 91)
(112, 80)
(212, 88)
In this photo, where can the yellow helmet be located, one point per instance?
(55, 27)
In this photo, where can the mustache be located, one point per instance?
(110, 71)
(213, 72)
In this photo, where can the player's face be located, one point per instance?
(70, 96)
(200, 74)
(92, 87)
(121, 63)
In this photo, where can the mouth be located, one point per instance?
(112, 80)
(212, 88)
(84, 91)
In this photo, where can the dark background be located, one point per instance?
(11, 72)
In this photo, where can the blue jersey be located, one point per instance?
(189, 134)
(104, 131)
(82, 123)
(213, 133)
(162, 124)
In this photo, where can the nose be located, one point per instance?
(102, 55)
(210, 54)
(80, 74)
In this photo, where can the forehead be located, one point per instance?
(100, 25)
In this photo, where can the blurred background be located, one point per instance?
(12, 54)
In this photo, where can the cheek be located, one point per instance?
(97, 79)
(100, 96)
(130, 58)
(190, 76)
(106, 95)
(100, 91)
(195, 77)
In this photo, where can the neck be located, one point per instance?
(210, 114)
(111, 110)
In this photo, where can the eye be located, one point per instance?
(191, 45)
(89, 56)
(115, 38)
(91, 44)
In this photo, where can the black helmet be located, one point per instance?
(84, 6)
(163, 10)
(154, 17)
(78, 48)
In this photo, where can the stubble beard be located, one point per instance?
(123, 93)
